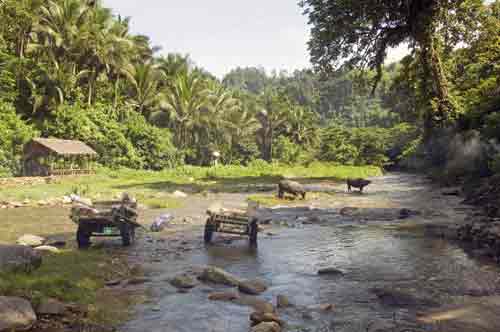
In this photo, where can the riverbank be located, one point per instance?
(83, 278)
(157, 189)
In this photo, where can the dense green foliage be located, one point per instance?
(70, 69)
(14, 133)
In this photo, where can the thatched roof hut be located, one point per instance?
(50, 156)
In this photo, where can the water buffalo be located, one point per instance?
(357, 183)
(291, 187)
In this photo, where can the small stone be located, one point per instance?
(259, 317)
(330, 271)
(267, 327)
(115, 282)
(348, 211)
(326, 307)
(66, 200)
(31, 240)
(282, 301)
(252, 287)
(138, 281)
(256, 303)
(223, 296)
(48, 249)
(183, 281)
(307, 315)
(51, 307)
(179, 194)
(55, 242)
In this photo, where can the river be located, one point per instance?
(446, 289)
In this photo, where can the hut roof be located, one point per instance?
(65, 147)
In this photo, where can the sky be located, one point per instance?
(220, 35)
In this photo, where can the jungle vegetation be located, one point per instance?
(71, 69)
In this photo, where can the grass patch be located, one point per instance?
(72, 276)
(108, 184)
(158, 201)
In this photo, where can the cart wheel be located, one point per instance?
(82, 237)
(254, 231)
(209, 231)
(128, 235)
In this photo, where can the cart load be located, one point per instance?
(105, 219)
(236, 222)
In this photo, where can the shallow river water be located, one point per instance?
(371, 249)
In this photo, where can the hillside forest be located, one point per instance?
(70, 69)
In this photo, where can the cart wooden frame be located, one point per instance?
(231, 222)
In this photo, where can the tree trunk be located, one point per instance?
(115, 99)
(440, 109)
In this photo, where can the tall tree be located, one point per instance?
(360, 33)
(272, 118)
(186, 101)
(144, 79)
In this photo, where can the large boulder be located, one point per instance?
(16, 258)
(16, 314)
(219, 276)
(31, 240)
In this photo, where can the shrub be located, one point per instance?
(132, 142)
(14, 133)
(285, 151)
(153, 145)
(336, 146)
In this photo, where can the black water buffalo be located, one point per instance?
(357, 183)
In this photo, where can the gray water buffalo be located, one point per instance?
(291, 187)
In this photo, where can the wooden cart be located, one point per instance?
(105, 219)
(231, 222)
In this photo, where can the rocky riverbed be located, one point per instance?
(381, 261)
(386, 260)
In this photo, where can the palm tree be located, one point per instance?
(144, 80)
(302, 126)
(240, 129)
(59, 27)
(187, 101)
(272, 117)
(172, 65)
